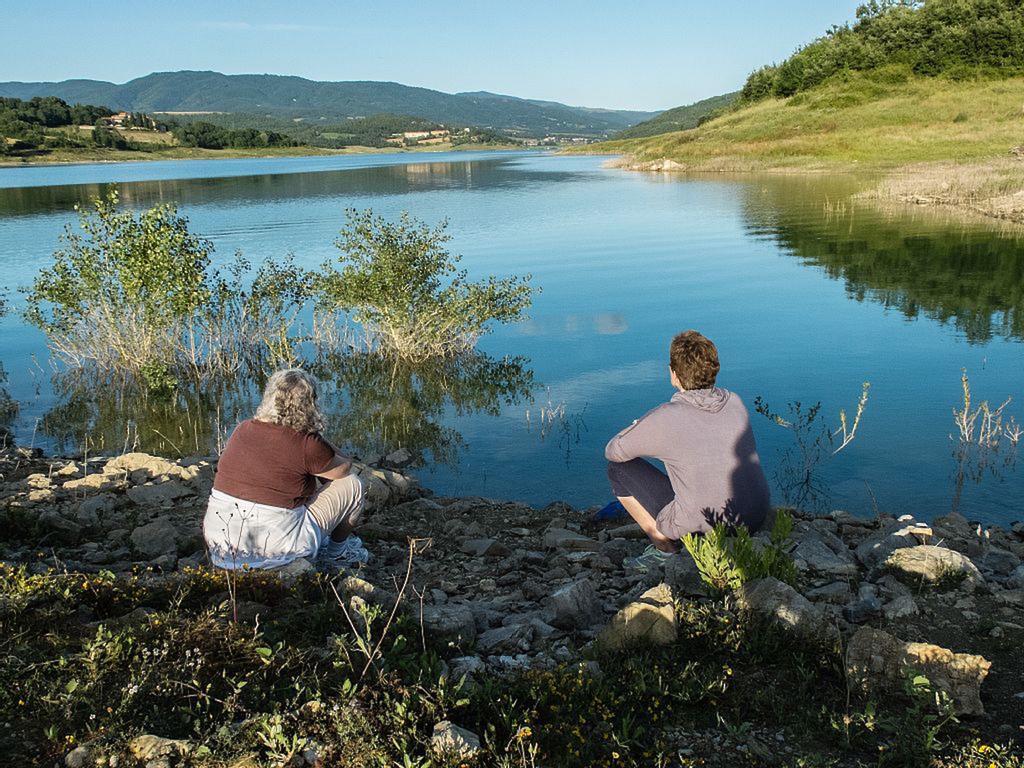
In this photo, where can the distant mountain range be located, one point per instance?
(679, 118)
(297, 97)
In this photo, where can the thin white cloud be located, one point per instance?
(245, 26)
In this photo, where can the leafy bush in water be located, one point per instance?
(134, 294)
(117, 293)
(406, 289)
(726, 562)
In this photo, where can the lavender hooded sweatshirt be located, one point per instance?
(703, 437)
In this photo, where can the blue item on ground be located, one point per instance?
(612, 511)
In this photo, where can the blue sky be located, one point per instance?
(645, 54)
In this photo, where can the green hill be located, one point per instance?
(877, 119)
(908, 82)
(297, 97)
(680, 118)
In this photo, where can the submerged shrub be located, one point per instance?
(134, 295)
(400, 282)
(117, 293)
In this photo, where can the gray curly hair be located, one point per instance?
(289, 399)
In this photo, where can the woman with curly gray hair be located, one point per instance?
(282, 491)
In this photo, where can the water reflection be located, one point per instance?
(399, 180)
(381, 404)
(373, 404)
(944, 269)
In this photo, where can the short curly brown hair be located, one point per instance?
(694, 360)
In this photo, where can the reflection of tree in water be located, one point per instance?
(377, 404)
(943, 269)
(103, 417)
(373, 404)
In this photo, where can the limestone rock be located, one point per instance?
(863, 610)
(814, 554)
(157, 538)
(682, 576)
(559, 538)
(465, 666)
(159, 495)
(451, 742)
(650, 619)
(399, 458)
(511, 639)
(1016, 579)
(148, 747)
(296, 568)
(79, 757)
(999, 561)
(62, 527)
(784, 607)
(484, 548)
(901, 607)
(450, 623)
(94, 482)
(875, 549)
(576, 605)
(93, 506)
(140, 467)
(837, 592)
(932, 564)
(876, 660)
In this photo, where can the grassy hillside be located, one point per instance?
(680, 118)
(880, 118)
(282, 96)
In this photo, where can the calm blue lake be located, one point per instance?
(807, 292)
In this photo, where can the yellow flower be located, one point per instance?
(615, 755)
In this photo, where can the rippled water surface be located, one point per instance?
(806, 292)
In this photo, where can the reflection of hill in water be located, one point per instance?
(398, 179)
(373, 405)
(918, 264)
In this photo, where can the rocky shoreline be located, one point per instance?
(505, 587)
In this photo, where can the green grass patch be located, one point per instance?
(877, 119)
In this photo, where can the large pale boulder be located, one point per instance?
(782, 606)
(650, 619)
(932, 564)
(878, 661)
(148, 747)
(875, 549)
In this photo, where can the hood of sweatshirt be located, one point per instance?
(711, 400)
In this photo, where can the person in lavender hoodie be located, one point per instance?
(703, 437)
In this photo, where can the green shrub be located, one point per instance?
(405, 288)
(135, 295)
(960, 39)
(118, 293)
(727, 561)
